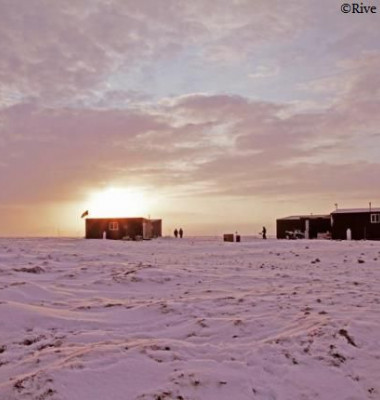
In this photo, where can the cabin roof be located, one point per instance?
(298, 217)
(356, 210)
(117, 219)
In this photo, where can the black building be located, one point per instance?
(304, 226)
(356, 224)
(123, 228)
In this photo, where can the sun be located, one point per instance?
(118, 202)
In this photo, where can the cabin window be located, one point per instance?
(114, 226)
(375, 218)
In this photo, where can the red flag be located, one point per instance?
(84, 214)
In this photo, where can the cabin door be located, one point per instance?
(144, 230)
(348, 234)
(307, 229)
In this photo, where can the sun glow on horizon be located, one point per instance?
(118, 202)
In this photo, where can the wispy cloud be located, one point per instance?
(215, 99)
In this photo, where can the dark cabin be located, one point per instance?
(356, 224)
(303, 227)
(123, 228)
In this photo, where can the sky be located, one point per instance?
(216, 116)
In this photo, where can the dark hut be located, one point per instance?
(356, 224)
(123, 228)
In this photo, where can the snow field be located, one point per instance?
(189, 319)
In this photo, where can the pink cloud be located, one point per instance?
(56, 51)
(230, 143)
(71, 119)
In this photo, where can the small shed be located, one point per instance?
(303, 227)
(123, 228)
(356, 224)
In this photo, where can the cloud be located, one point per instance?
(57, 52)
(72, 118)
(46, 153)
(221, 144)
(264, 71)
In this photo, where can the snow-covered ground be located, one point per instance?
(189, 319)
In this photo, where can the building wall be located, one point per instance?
(359, 223)
(319, 225)
(316, 225)
(126, 227)
(156, 228)
(284, 225)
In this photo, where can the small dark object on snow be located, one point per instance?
(32, 270)
(345, 334)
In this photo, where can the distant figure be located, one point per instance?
(264, 232)
(175, 233)
(180, 233)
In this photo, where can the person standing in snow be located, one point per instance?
(175, 232)
(264, 232)
(180, 233)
